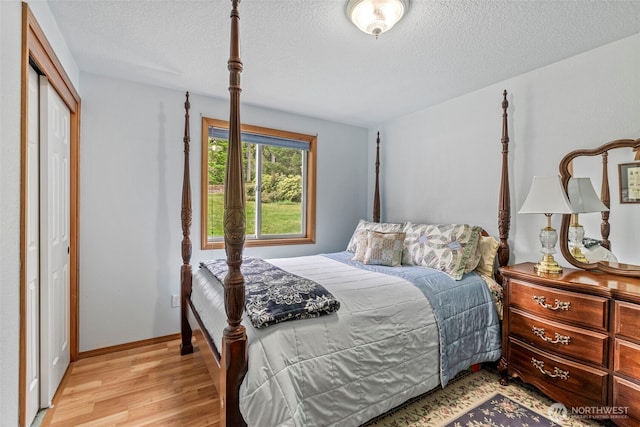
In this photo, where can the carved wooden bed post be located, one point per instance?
(504, 204)
(504, 218)
(376, 193)
(185, 271)
(234, 340)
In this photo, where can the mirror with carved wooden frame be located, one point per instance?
(605, 194)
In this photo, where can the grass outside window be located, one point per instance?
(279, 173)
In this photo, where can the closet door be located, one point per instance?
(32, 268)
(54, 239)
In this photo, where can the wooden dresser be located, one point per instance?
(576, 337)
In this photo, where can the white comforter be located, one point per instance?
(379, 350)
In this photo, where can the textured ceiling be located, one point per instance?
(304, 56)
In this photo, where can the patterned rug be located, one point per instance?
(478, 399)
(499, 410)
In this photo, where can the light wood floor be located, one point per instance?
(150, 385)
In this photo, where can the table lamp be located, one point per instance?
(546, 196)
(583, 199)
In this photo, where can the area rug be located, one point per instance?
(478, 399)
(499, 410)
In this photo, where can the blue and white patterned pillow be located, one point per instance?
(444, 247)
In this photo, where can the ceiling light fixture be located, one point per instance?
(376, 16)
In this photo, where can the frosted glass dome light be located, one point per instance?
(376, 16)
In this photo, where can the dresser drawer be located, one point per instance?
(626, 359)
(625, 399)
(627, 320)
(582, 344)
(562, 306)
(568, 382)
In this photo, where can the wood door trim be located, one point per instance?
(36, 49)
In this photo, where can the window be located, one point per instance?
(279, 173)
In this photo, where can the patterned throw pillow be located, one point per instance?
(383, 227)
(444, 247)
(361, 245)
(384, 248)
(474, 258)
(488, 248)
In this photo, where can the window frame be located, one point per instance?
(309, 234)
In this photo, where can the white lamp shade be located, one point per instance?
(583, 197)
(376, 16)
(546, 196)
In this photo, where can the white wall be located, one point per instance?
(9, 209)
(42, 12)
(10, 45)
(442, 164)
(131, 180)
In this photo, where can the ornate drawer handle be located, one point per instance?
(557, 372)
(559, 339)
(560, 305)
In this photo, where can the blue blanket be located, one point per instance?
(468, 323)
(273, 295)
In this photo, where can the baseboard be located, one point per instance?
(127, 346)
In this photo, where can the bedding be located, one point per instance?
(453, 302)
(273, 295)
(400, 332)
(451, 248)
(384, 248)
(378, 248)
(382, 227)
(488, 249)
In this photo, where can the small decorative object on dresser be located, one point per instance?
(576, 337)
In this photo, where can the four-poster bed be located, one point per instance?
(324, 367)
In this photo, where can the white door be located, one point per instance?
(54, 240)
(32, 267)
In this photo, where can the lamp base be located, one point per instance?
(576, 234)
(577, 254)
(547, 265)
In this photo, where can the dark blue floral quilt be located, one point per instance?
(273, 295)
